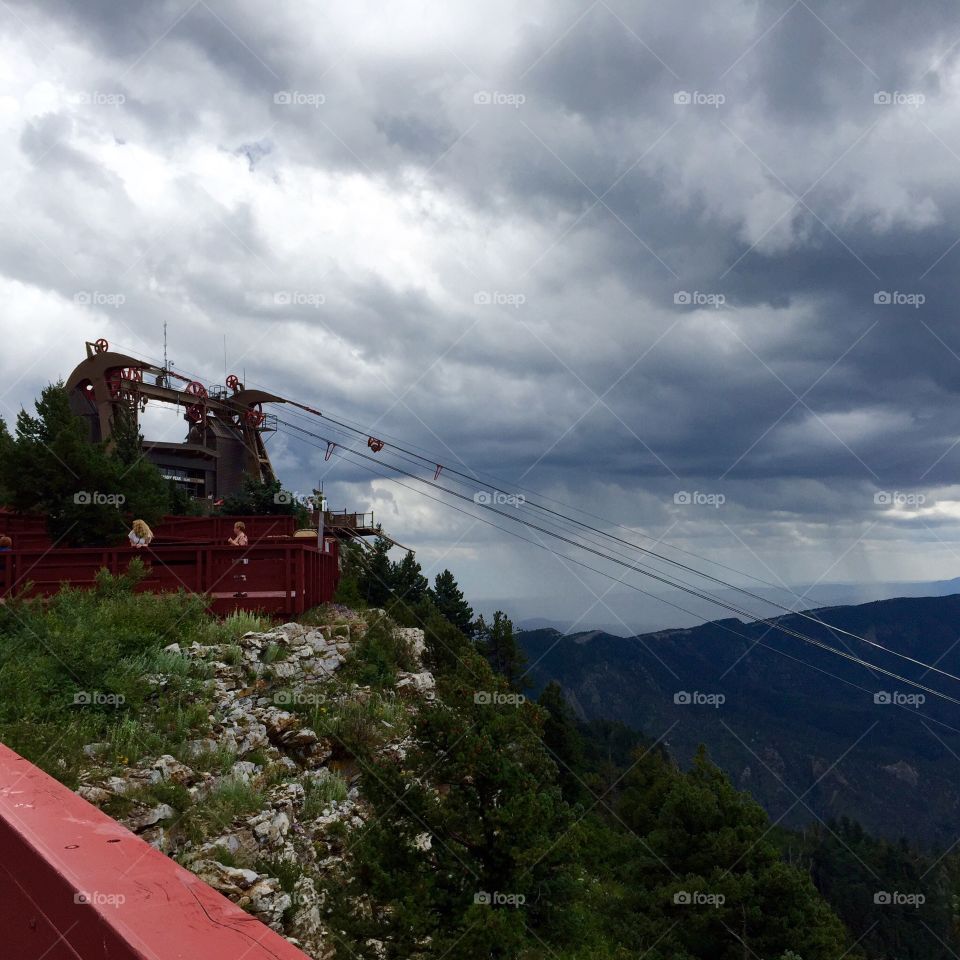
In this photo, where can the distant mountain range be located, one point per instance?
(809, 734)
(626, 613)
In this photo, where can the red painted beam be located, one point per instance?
(56, 849)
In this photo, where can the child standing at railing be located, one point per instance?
(140, 535)
(239, 538)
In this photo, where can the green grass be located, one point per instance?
(275, 773)
(357, 726)
(288, 872)
(78, 667)
(259, 757)
(229, 800)
(275, 653)
(217, 761)
(232, 655)
(174, 794)
(325, 615)
(232, 627)
(226, 857)
(321, 793)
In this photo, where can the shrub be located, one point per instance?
(357, 726)
(377, 656)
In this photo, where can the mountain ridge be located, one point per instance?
(809, 742)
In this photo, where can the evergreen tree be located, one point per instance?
(645, 788)
(147, 493)
(351, 565)
(498, 643)
(264, 498)
(704, 839)
(563, 742)
(449, 600)
(446, 646)
(375, 578)
(467, 847)
(52, 468)
(181, 503)
(86, 490)
(850, 867)
(6, 449)
(408, 583)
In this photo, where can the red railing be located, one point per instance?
(30, 531)
(285, 577)
(221, 528)
(15, 524)
(78, 886)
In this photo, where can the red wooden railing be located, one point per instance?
(31, 531)
(221, 528)
(276, 573)
(283, 577)
(75, 885)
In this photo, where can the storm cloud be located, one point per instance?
(613, 252)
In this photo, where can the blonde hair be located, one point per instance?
(141, 529)
(239, 525)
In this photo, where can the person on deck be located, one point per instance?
(140, 535)
(6, 544)
(239, 538)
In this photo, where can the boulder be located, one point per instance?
(420, 683)
(94, 795)
(152, 817)
(243, 770)
(172, 771)
(197, 747)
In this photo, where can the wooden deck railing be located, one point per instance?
(75, 885)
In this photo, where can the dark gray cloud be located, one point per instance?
(472, 227)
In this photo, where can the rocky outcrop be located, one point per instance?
(903, 771)
(277, 859)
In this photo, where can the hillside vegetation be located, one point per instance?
(369, 785)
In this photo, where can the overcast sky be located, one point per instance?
(614, 252)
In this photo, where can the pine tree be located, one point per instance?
(6, 449)
(563, 742)
(52, 468)
(375, 578)
(446, 646)
(146, 492)
(703, 838)
(449, 600)
(264, 498)
(408, 582)
(474, 816)
(498, 643)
